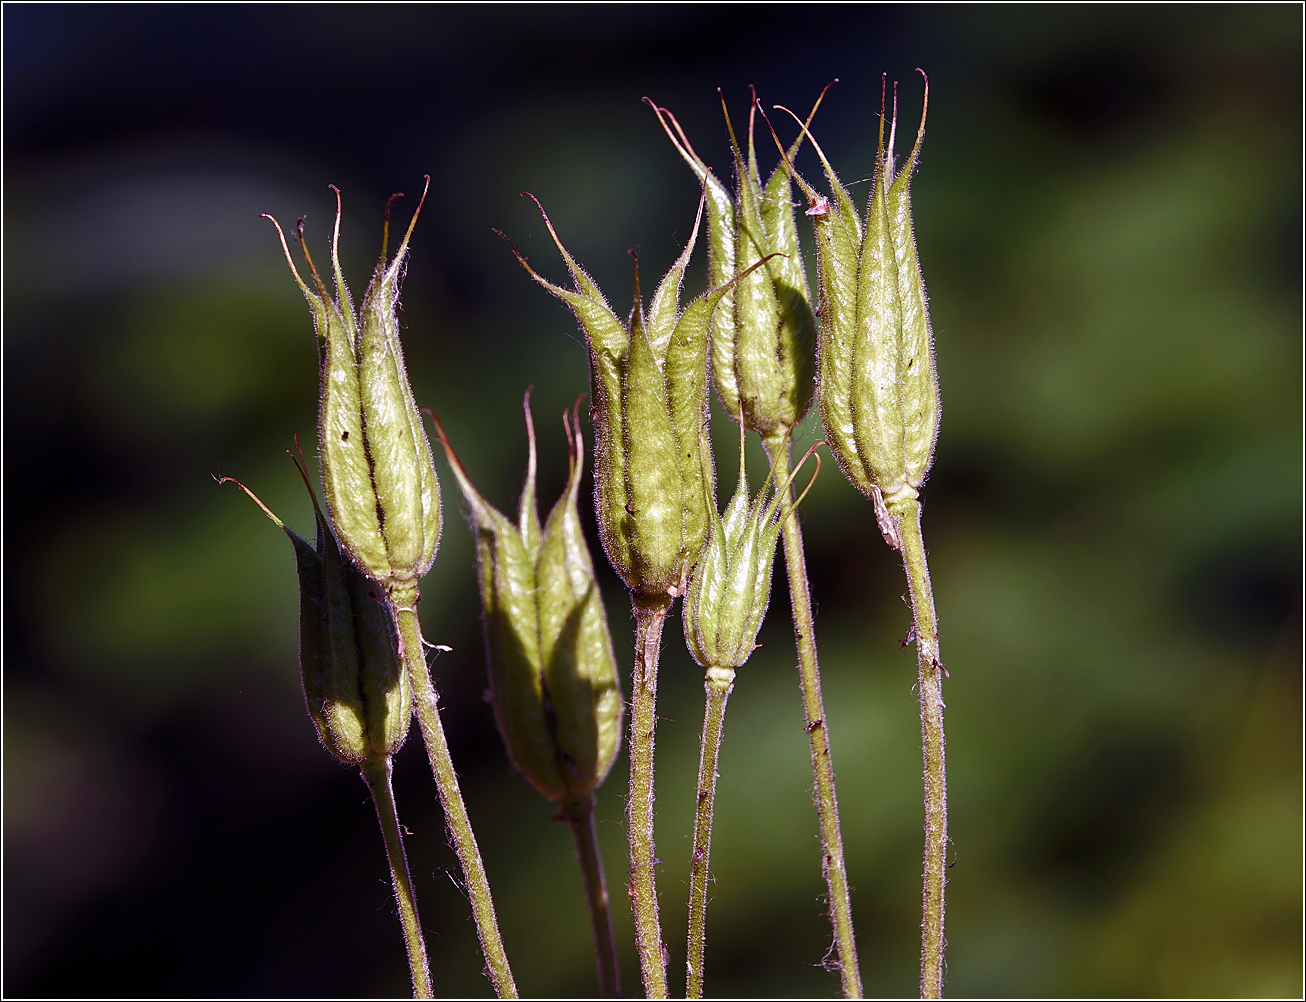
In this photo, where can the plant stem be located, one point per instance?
(451, 800)
(907, 519)
(827, 802)
(650, 615)
(580, 815)
(718, 685)
(377, 777)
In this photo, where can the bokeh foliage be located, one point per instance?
(1109, 217)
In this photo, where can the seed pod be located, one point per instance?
(731, 587)
(762, 333)
(378, 473)
(357, 692)
(877, 385)
(553, 676)
(648, 402)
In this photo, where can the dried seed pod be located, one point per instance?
(876, 380)
(378, 472)
(355, 686)
(553, 676)
(648, 401)
(763, 332)
(731, 587)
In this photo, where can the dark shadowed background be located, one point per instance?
(1109, 218)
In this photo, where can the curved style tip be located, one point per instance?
(439, 428)
(811, 193)
(531, 465)
(300, 452)
(312, 268)
(812, 454)
(634, 260)
(678, 138)
(547, 221)
(253, 497)
(285, 248)
(335, 232)
(302, 466)
(521, 258)
(412, 223)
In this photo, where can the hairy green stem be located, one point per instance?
(907, 520)
(827, 802)
(650, 615)
(377, 776)
(580, 815)
(451, 800)
(718, 685)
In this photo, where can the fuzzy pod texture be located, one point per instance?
(355, 686)
(553, 675)
(653, 475)
(877, 385)
(731, 586)
(378, 472)
(762, 333)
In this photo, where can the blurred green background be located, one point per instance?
(1109, 215)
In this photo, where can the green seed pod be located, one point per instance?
(378, 472)
(357, 692)
(553, 676)
(648, 401)
(877, 385)
(731, 587)
(763, 332)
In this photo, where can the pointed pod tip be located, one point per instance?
(412, 223)
(634, 260)
(530, 434)
(300, 452)
(301, 464)
(435, 422)
(253, 497)
(285, 248)
(575, 443)
(521, 258)
(548, 223)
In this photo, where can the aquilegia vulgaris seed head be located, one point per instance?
(653, 471)
(763, 330)
(357, 691)
(378, 474)
(876, 381)
(553, 676)
(731, 587)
